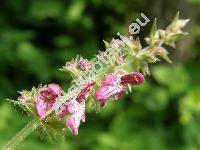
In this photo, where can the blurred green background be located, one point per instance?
(37, 37)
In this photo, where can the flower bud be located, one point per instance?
(27, 97)
(116, 44)
(84, 65)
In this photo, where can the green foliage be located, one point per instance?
(36, 37)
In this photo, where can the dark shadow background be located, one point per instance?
(37, 37)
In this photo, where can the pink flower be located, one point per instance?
(110, 86)
(78, 113)
(46, 99)
(133, 79)
(83, 95)
(115, 84)
(76, 107)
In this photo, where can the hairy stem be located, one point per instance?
(26, 131)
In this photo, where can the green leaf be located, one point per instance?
(176, 78)
(175, 20)
(163, 53)
(176, 36)
(75, 11)
(154, 29)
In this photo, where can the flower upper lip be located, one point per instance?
(114, 85)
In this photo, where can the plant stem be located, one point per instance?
(31, 126)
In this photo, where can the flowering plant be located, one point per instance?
(109, 75)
